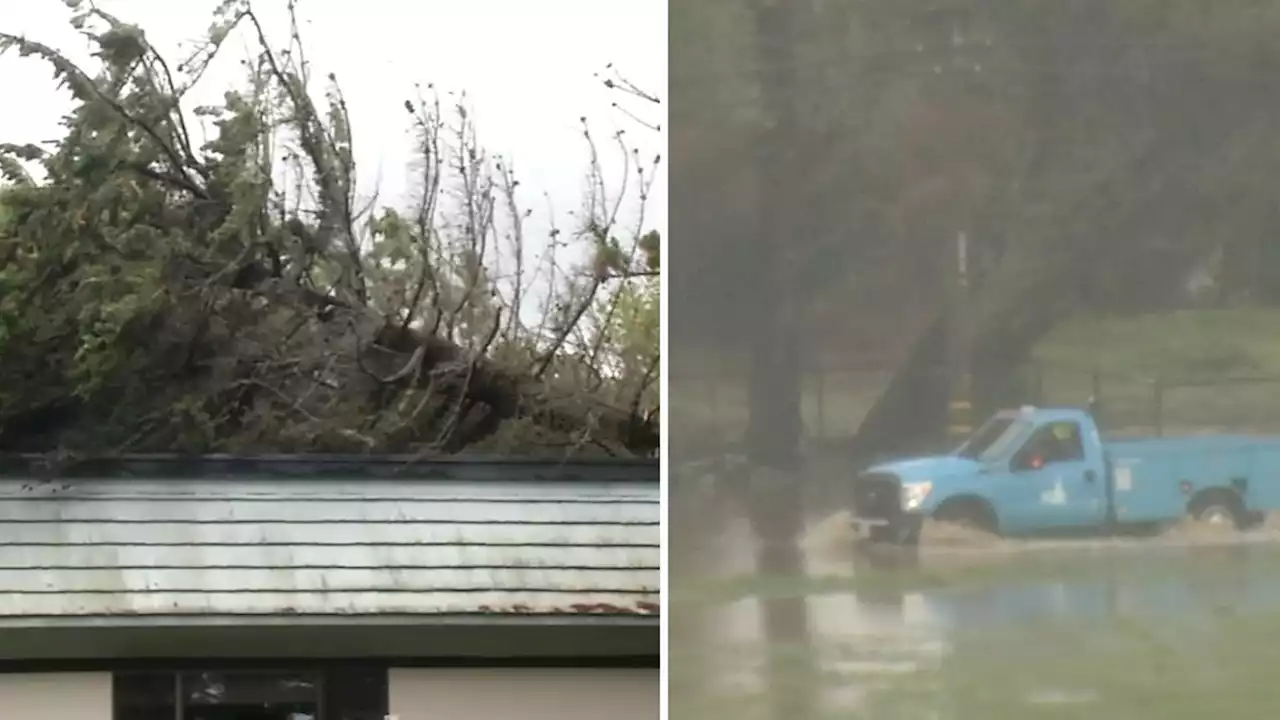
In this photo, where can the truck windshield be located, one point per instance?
(992, 439)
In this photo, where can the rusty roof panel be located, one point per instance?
(156, 546)
(369, 602)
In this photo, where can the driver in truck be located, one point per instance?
(1057, 442)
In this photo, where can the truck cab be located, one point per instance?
(1024, 471)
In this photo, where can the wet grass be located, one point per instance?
(1199, 370)
(1186, 343)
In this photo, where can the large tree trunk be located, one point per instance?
(909, 416)
(774, 425)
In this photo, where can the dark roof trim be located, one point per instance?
(336, 467)
(644, 614)
(352, 641)
(148, 665)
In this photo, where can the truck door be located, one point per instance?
(1061, 478)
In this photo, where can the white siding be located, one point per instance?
(530, 694)
(55, 696)
(229, 547)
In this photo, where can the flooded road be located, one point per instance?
(1183, 625)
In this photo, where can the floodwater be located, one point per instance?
(1183, 625)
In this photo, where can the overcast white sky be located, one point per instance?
(527, 66)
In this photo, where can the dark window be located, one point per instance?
(216, 695)
(1055, 442)
(355, 694)
(145, 696)
(221, 694)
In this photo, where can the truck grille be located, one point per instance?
(877, 496)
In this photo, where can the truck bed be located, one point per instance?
(1150, 473)
(1192, 444)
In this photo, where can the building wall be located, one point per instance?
(415, 694)
(61, 696)
(526, 693)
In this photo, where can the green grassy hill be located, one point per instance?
(1188, 343)
(1203, 369)
(1127, 354)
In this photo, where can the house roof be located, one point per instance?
(194, 540)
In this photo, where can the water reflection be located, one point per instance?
(1170, 585)
(1178, 633)
(1024, 630)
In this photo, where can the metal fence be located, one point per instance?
(1135, 404)
(833, 403)
(836, 400)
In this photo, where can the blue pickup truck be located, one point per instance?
(1042, 471)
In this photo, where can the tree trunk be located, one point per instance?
(774, 426)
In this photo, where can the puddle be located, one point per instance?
(1043, 623)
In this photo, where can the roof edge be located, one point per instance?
(321, 466)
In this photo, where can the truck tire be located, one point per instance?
(1219, 507)
(969, 512)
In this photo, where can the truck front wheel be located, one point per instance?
(905, 533)
(972, 513)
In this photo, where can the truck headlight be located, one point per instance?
(915, 493)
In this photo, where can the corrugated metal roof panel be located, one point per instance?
(124, 509)
(120, 509)
(303, 532)
(325, 556)
(322, 580)
(443, 545)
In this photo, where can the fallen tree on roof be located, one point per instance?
(237, 295)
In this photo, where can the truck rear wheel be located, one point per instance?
(1218, 508)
